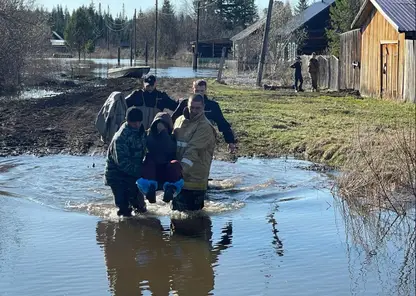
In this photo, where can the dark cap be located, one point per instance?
(134, 114)
(151, 79)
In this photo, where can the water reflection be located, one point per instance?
(143, 256)
(277, 243)
(384, 242)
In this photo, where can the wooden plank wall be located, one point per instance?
(409, 87)
(350, 51)
(333, 72)
(374, 31)
(323, 79)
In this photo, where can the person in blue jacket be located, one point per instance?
(212, 112)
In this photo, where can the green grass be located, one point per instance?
(318, 128)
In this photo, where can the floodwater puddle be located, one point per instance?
(269, 227)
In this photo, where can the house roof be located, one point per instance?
(215, 41)
(305, 16)
(295, 23)
(57, 35)
(249, 30)
(401, 14)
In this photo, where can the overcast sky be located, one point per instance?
(116, 5)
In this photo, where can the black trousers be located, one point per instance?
(127, 196)
(298, 78)
(189, 200)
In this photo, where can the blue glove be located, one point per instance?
(144, 184)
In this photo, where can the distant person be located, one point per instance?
(212, 112)
(196, 139)
(297, 65)
(313, 68)
(124, 163)
(150, 100)
(161, 170)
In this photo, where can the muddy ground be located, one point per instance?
(65, 123)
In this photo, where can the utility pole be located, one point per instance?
(135, 40)
(146, 53)
(131, 47)
(195, 60)
(156, 42)
(264, 46)
(108, 30)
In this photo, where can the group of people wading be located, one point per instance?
(151, 150)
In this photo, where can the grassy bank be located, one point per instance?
(315, 127)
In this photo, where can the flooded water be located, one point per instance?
(28, 94)
(270, 227)
(98, 68)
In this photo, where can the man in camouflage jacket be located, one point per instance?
(124, 163)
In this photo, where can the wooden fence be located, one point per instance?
(350, 54)
(328, 72)
(409, 89)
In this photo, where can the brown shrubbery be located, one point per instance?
(380, 170)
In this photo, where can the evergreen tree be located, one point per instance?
(244, 13)
(168, 32)
(342, 14)
(57, 20)
(79, 30)
(301, 6)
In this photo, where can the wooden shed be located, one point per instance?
(388, 48)
(212, 48)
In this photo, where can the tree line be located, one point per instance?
(91, 26)
(25, 30)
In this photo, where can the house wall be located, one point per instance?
(374, 31)
(316, 40)
(350, 52)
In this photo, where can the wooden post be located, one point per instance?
(224, 50)
(264, 46)
(118, 56)
(195, 61)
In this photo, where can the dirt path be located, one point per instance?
(65, 123)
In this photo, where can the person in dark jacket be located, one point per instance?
(150, 101)
(314, 71)
(161, 170)
(212, 112)
(298, 74)
(124, 164)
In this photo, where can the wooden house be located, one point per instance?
(212, 48)
(388, 48)
(246, 44)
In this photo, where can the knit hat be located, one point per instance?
(134, 114)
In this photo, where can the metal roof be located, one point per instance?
(57, 35)
(249, 30)
(306, 15)
(296, 22)
(401, 14)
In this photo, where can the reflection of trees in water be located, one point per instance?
(383, 241)
(277, 243)
(141, 256)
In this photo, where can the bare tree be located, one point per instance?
(24, 35)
